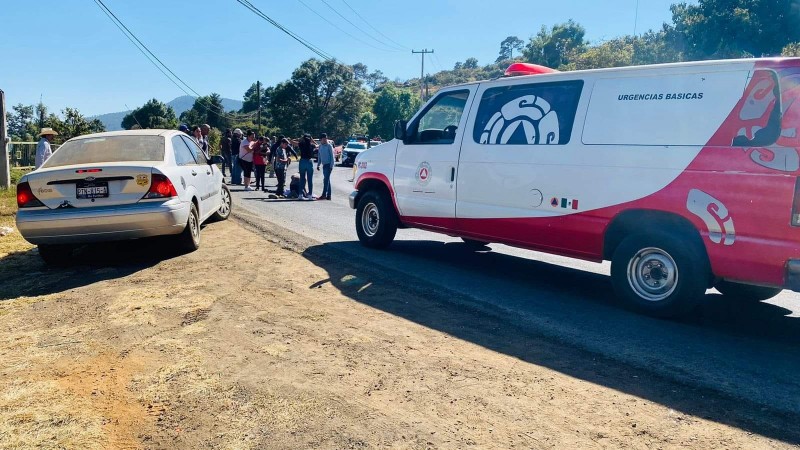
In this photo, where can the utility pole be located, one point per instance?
(5, 175)
(258, 92)
(423, 52)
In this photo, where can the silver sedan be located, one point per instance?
(121, 185)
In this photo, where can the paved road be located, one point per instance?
(748, 351)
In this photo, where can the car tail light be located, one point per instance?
(796, 204)
(160, 187)
(25, 197)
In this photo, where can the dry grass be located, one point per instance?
(13, 242)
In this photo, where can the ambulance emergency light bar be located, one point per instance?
(519, 69)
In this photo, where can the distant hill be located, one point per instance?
(113, 120)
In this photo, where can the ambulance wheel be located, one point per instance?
(376, 220)
(659, 274)
(746, 292)
(472, 244)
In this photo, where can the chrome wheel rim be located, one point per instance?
(225, 207)
(370, 219)
(653, 274)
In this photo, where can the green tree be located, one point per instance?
(554, 47)
(153, 114)
(507, 47)
(736, 28)
(320, 96)
(470, 64)
(392, 104)
(792, 49)
(74, 124)
(207, 109)
(376, 79)
(20, 120)
(250, 102)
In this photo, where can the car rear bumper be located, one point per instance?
(83, 225)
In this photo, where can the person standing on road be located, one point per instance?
(260, 162)
(326, 161)
(306, 167)
(43, 151)
(246, 150)
(225, 151)
(280, 161)
(236, 171)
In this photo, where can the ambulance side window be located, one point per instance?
(528, 114)
(439, 122)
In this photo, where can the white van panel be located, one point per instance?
(675, 109)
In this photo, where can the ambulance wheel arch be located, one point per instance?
(659, 265)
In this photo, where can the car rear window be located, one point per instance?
(108, 149)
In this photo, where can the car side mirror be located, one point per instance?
(216, 159)
(400, 130)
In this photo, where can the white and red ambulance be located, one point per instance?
(685, 176)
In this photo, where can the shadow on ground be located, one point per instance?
(429, 306)
(25, 274)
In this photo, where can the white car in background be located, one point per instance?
(351, 151)
(117, 186)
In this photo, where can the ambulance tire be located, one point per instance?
(746, 292)
(376, 220)
(660, 274)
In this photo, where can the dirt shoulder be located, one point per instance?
(247, 344)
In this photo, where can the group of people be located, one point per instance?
(245, 155)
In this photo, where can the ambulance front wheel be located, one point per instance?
(376, 220)
(660, 274)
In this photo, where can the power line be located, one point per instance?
(316, 50)
(351, 23)
(342, 29)
(157, 62)
(370, 25)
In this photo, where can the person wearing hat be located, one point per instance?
(184, 128)
(43, 151)
(326, 160)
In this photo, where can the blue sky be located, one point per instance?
(71, 54)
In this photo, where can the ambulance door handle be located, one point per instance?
(452, 174)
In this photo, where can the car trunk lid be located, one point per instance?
(87, 186)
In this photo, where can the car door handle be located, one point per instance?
(194, 174)
(452, 174)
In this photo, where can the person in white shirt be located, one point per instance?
(246, 150)
(326, 159)
(43, 151)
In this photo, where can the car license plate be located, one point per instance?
(94, 189)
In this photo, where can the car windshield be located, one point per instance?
(108, 149)
(357, 146)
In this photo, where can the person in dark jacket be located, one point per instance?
(236, 171)
(307, 167)
(225, 151)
